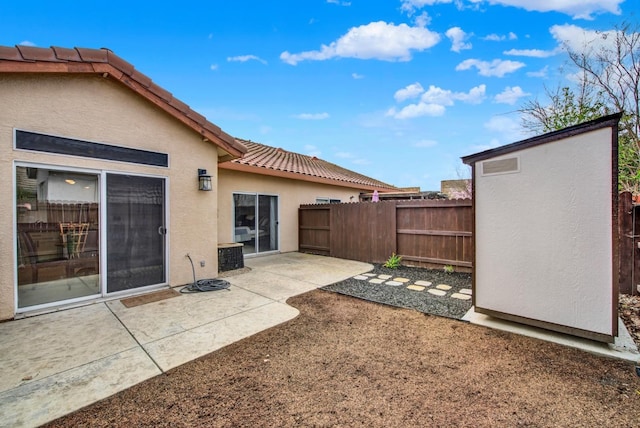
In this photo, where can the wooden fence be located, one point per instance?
(629, 239)
(424, 232)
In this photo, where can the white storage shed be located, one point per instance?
(546, 230)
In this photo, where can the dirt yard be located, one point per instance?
(350, 362)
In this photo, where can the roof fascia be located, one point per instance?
(593, 125)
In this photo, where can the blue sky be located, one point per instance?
(397, 90)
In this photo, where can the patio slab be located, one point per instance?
(53, 364)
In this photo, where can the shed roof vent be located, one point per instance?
(500, 166)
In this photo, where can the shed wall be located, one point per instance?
(544, 234)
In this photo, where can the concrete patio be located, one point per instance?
(56, 363)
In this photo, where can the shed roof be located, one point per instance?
(602, 122)
(267, 160)
(29, 59)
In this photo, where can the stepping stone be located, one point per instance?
(384, 276)
(460, 296)
(376, 281)
(361, 277)
(393, 283)
(443, 287)
(424, 283)
(416, 287)
(369, 274)
(466, 291)
(402, 279)
(437, 292)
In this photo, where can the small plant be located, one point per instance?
(448, 269)
(393, 262)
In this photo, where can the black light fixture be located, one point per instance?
(204, 180)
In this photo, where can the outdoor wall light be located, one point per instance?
(204, 180)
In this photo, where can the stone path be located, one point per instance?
(440, 290)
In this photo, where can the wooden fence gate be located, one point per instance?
(424, 232)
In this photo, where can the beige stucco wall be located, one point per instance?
(291, 194)
(544, 234)
(99, 110)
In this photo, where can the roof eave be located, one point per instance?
(235, 166)
(121, 71)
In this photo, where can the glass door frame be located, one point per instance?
(256, 219)
(61, 168)
(101, 175)
(103, 242)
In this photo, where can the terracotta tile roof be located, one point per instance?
(29, 59)
(262, 159)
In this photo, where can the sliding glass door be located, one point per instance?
(135, 232)
(58, 230)
(256, 222)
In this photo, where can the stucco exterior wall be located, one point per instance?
(96, 109)
(291, 194)
(544, 234)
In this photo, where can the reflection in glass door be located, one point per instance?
(135, 232)
(57, 227)
(256, 222)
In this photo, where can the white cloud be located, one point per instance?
(458, 37)
(311, 116)
(339, 3)
(410, 91)
(543, 72)
(533, 53)
(425, 143)
(497, 67)
(410, 6)
(509, 130)
(422, 20)
(417, 110)
(578, 9)
(26, 43)
(511, 95)
(498, 38)
(312, 150)
(577, 38)
(245, 58)
(213, 67)
(475, 96)
(494, 38)
(438, 96)
(357, 76)
(377, 40)
(434, 101)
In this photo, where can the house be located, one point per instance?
(100, 171)
(119, 188)
(259, 195)
(546, 230)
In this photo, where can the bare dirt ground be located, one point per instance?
(350, 362)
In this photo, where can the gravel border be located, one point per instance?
(401, 296)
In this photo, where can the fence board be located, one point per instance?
(424, 232)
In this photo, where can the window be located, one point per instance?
(327, 201)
